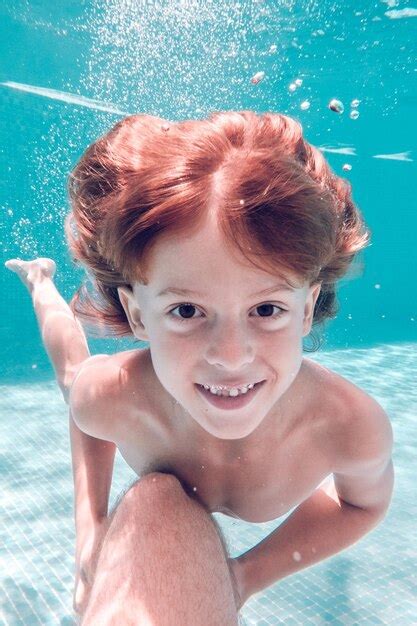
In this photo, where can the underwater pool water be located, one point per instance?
(71, 70)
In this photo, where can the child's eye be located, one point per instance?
(188, 309)
(189, 313)
(267, 306)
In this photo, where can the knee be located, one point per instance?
(157, 481)
(155, 488)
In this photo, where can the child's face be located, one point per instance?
(224, 335)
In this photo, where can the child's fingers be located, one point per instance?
(81, 596)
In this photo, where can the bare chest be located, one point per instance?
(256, 487)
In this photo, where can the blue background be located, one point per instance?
(183, 60)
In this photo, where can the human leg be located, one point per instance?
(62, 334)
(92, 459)
(161, 562)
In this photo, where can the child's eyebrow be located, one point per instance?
(187, 292)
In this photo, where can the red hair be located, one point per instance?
(276, 200)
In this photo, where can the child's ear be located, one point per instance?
(313, 294)
(132, 310)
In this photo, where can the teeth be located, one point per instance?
(233, 392)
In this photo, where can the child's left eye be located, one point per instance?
(274, 306)
(188, 306)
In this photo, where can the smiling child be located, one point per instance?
(220, 243)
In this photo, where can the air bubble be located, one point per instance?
(256, 78)
(305, 105)
(273, 48)
(346, 167)
(297, 83)
(336, 105)
(354, 114)
(355, 103)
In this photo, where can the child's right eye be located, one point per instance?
(183, 306)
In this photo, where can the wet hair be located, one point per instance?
(276, 200)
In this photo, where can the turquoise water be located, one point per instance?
(372, 582)
(68, 73)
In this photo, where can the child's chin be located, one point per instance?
(226, 428)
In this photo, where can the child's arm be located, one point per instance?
(92, 469)
(92, 465)
(334, 516)
(92, 458)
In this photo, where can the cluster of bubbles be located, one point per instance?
(334, 105)
(338, 107)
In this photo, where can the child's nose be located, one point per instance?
(231, 347)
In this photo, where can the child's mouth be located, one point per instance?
(230, 402)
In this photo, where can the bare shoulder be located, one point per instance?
(357, 426)
(99, 397)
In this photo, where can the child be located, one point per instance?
(191, 233)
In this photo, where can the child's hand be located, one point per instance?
(86, 558)
(237, 573)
